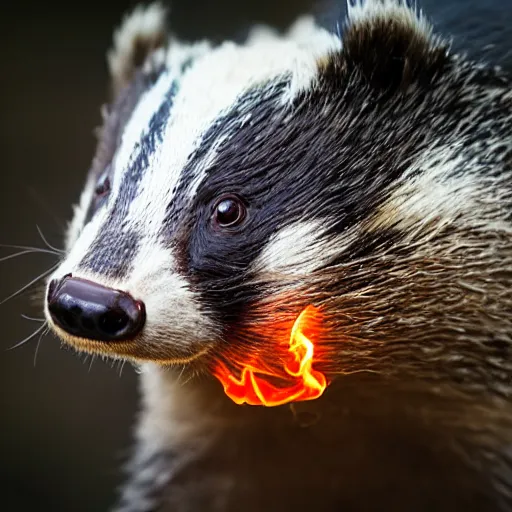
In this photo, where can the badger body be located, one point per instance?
(367, 174)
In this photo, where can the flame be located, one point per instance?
(301, 381)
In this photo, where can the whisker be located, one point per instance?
(30, 249)
(121, 366)
(15, 255)
(37, 197)
(190, 377)
(45, 241)
(44, 333)
(28, 285)
(181, 374)
(33, 319)
(28, 338)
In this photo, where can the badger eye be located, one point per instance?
(103, 185)
(229, 211)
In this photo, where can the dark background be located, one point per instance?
(66, 424)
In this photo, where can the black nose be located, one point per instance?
(89, 310)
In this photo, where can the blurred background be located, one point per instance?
(66, 423)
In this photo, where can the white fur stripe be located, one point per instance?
(301, 248)
(138, 125)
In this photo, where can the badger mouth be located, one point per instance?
(100, 320)
(140, 350)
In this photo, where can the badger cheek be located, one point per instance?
(161, 347)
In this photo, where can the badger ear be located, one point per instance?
(142, 32)
(388, 45)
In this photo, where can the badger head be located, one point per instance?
(367, 174)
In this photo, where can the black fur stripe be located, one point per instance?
(112, 251)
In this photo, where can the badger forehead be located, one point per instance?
(196, 87)
(204, 83)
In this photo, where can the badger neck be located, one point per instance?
(177, 412)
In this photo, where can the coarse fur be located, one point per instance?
(376, 169)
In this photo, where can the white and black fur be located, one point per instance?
(376, 169)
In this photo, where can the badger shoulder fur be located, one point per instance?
(368, 175)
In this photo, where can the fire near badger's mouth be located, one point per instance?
(298, 380)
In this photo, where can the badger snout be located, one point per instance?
(89, 310)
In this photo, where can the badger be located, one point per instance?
(365, 174)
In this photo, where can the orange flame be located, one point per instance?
(301, 381)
